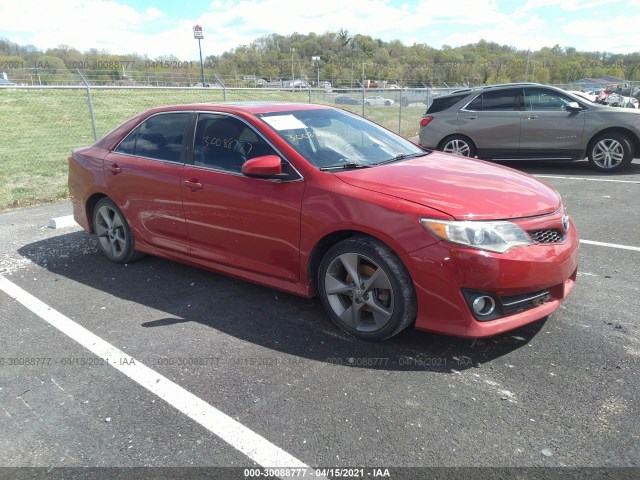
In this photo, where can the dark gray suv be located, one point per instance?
(528, 121)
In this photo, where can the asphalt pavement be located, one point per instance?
(149, 364)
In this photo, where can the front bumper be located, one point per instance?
(442, 271)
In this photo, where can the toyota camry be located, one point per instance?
(315, 200)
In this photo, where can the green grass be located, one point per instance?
(40, 128)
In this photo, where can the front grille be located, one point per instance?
(552, 235)
(519, 303)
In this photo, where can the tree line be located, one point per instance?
(338, 57)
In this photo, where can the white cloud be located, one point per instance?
(593, 37)
(154, 13)
(115, 26)
(567, 5)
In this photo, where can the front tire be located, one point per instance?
(610, 152)
(114, 235)
(366, 289)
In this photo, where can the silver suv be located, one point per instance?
(528, 121)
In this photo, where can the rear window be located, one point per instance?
(443, 103)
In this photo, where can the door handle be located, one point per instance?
(532, 117)
(470, 118)
(193, 184)
(114, 168)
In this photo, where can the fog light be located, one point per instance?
(483, 305)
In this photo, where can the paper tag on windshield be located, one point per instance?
(284, 122)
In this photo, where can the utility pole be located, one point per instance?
(314, 60)
(292, 77)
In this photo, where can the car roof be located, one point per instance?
(241, 107)
(494, 87)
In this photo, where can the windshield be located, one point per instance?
(334, 138)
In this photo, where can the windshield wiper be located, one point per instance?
(403, 156)
(344, 166)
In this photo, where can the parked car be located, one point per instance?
(616, 100)
(312, 199)
(378, 101)
(347, 100)
(586, 95)
(531, 121)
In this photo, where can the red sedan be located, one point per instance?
(313, 200)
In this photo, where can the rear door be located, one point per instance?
(144, 179)
(492, 122)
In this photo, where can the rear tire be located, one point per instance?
(610, 152)
(366, 289)
(114, 235)
(458, 145)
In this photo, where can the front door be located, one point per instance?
(548, 130)
(248, 223)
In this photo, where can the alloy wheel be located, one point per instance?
(608, 153)
(359, 292)
(110, 231)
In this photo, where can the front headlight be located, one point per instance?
(492, 236)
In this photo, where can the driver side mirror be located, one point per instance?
(573, 107)
(266, 166)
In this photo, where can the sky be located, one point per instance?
(158, 28)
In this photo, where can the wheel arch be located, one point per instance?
(323, 245)
(90, 205)
(448, 137)
(635, 141)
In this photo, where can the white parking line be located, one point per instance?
(610, 245)
(589, 179)
(231, 431)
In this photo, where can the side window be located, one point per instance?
(441, 104)
(128, 145)
(501, 100)
(159, 137)
(540, 99)
(225, 143)
(475, 105)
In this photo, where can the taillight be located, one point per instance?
(425, 120)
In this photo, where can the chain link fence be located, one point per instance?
(43, 124)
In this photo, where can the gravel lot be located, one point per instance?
(559, 393)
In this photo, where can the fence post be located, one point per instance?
(224, 87)
(400, 114)
(93, 118)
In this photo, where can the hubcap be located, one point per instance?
(457, 147)
(110, 231)
(608, 153)
(359, 292)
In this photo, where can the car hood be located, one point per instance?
(463, 188)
